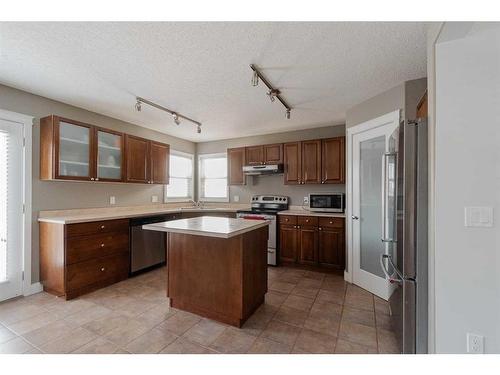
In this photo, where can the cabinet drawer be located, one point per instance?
(288, 219)
(307, 221)
(332, 222)
(96, 271)
(96, 227)
(96, 246)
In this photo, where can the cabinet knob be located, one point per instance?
(97, 179)
(320, 228)
(91, 178)
(102, 245)
(307, 220)
(103, 269)
(102, 227)
(331, 222)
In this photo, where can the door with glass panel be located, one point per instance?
(373, 203)
(74, 157)
(109, 145)
(11, 209)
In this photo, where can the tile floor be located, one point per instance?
(304, 312)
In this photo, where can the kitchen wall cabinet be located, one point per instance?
(312, 241)
(311, 162)
(72, 150)
(264, 154)
(235, 163)
(292, 163)
(254, 155)
(333, 160)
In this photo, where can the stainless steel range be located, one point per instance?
(266, 207)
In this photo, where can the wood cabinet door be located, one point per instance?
(288, 243)
(235, 163)
(311, 162)
(273, 154)
(254, 155)
(160, 157)
(333, 160)
(137, 159)
(308, 245)
(109, 155)
(331, 247)
(292, 163)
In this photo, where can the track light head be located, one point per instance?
(138, 105)
(198, 129)
(255, 79)
(176, 118)
(287, 114)
(273, 94)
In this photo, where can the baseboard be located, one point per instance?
(32, 289)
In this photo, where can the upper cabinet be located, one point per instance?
(72, 150)
(315, 162)
(266, 154)
(235, 163)
(254, 155)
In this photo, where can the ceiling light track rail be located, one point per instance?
(273, 92)
(175, 115)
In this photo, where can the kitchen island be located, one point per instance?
(217, 267)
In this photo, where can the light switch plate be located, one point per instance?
(306, 200)
(154, 198)
(112, 200)
(479, 217)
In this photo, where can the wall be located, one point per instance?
(467, 161)
(65, 195)
(274, 184)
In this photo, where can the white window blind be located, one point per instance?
(4, 176)
(213, 178)
(180, 187)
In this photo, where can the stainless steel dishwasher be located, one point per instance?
(147, 247)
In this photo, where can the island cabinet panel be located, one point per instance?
(288, 243)
(235, 163)
(293, 163)
(333, 160)
(308, 245)
(138, 159)
(221, 279)
(311, 162)
(273, 154)
(78, 258)
(254, 155)
(160, 156)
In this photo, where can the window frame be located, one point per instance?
(201, 198)
(166, 198)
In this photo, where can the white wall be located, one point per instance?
(467, 162)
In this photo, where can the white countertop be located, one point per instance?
(89, 215)
(208, 226)
(304, 212)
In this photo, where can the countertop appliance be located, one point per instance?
(327, 202)
(147, 247)
(405, 232)
(266, 207)
(257, 170)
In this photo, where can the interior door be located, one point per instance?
(373, 204)
(11, 209)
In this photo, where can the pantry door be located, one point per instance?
(11, 209)
(372, 209)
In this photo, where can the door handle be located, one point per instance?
(389, 277)
(354, 217)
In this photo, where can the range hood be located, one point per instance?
(257, 170)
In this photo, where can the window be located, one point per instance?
(212, 184)
(180, 187)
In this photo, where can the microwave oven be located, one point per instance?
(327, 202)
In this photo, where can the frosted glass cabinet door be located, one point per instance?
(109, 156)
(74, 150)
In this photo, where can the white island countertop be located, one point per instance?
(208, 226)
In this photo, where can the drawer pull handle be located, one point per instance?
(307, 220)
(102, 245)
(331, 222)
(103, 269)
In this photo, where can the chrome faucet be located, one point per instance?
(196, 204)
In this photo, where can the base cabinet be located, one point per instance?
(288, 243)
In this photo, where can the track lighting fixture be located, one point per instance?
(272, 93)
(176, 116)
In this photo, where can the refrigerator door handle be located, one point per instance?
(385, 209)
(389, 277)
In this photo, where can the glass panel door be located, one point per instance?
(74, 150)
(109, 156)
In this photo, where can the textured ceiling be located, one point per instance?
(202, 70)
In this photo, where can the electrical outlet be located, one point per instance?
(306, 200)
(112, 200)
(475, 343)
(236, 198)
(154, 198)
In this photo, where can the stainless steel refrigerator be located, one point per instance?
(405, 217)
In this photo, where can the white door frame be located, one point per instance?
(27, 123)
(371, 124)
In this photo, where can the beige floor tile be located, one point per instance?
(289, 278)
(180, 322)
(321, 308)
(294, 271)
(156, 297)
(354, 315)
(43, 299)
(135, 308)
(275, 298)
(334, 285)
(356, 290)
(88, 315)
(151, 342)
(327, 324)
(292, 316)
(156, 315)
(383, 321)
(184, 346)
(204, 332)
(347, 347)
(314, 275)
(387, 342)
(62, 310)
(50, 332)
(358, 333)
(6, 334)
(127, 332)
(281, 286)
(16, 312)
(107, 323)
(34, 351)
(117, 302)
(359, 301)
(329, 296)
(298, 302)
(233, 341)
(381, 306)
(97, 346)
(15, 346)
(281, 332)
(305, 292)
(299, 351)
(69, 342)
(121, 351)
(32, 323)
(315, 342)
(259, 320)
(12, 303)
(266, 346)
